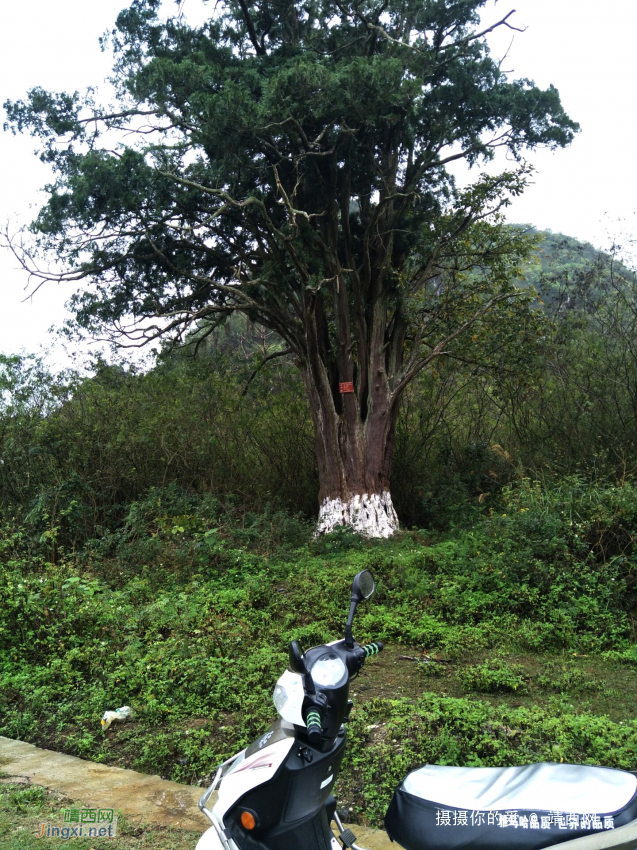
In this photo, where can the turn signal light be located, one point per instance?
(247, 820)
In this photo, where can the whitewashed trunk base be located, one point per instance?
(371, 514)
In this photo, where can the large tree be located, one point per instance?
(290, 160)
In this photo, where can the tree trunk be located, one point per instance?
(354, 449)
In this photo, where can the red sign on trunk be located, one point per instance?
(346, 387)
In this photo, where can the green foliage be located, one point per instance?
(296, 172)
(559, 678)
(24, 810)
(186, 613)
(494, 676)
(564, 271)
(77, 451)
(391, 737)
(26, 799)
(270, 124)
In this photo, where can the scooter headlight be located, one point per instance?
(329, 671)
(288, 697)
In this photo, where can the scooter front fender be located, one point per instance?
(210, 841)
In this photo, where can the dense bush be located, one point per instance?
(494, 676)
(72, 467)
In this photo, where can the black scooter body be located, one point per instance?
(290, 809)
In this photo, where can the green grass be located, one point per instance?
(23, 810)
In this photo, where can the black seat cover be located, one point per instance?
(531, 807)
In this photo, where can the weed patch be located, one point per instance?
(494, 676)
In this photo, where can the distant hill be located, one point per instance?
(569, 274)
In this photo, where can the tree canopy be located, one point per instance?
(274, 142)
(291, 161)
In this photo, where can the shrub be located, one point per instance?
(494, 676)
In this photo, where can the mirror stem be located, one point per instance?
(349, 637)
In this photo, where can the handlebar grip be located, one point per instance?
(373, 648)
(314, 724)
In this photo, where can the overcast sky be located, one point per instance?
(585, 49)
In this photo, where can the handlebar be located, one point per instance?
(373, 648)
(314, 723)
(360, 655)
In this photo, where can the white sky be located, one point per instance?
(587, 51)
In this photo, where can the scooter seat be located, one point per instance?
(532, 807)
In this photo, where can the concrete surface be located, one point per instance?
(148, 798)
(139, 796)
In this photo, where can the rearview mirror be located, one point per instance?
(363, 585)
(362, 588)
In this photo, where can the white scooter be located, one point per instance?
(276, 794)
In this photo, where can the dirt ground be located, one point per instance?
(583, 682)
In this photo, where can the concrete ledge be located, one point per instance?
(138, 795)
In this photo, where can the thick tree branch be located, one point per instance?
(258, 45)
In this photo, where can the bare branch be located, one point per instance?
(416, 363)
(475, 36)
(267, 359)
